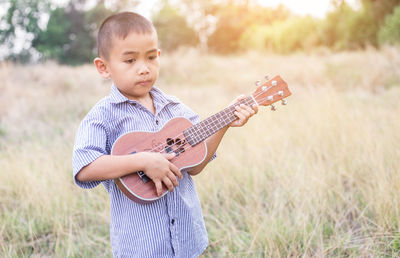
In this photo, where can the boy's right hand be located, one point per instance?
(159, 168)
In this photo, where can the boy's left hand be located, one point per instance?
(243, 112)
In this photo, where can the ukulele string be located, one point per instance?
(263, 99)
(183, 149)
(163, 145)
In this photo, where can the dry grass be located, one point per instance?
(319, 177)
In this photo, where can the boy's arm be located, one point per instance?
(155, 165)
(243, 113)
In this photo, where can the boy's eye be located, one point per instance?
(152, 57)
(129, 61)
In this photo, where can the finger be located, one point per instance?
(248, 109)
(255, 108)
(241, 118)
(175, 170)
(169, 156)
(173, 179)
(240, 97)
(243, 111)
(168, 183)
(158, 187)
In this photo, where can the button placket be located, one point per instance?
(171, 202)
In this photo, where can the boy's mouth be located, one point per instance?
(144, 82)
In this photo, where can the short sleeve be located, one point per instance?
(189, 114)
(90, 144)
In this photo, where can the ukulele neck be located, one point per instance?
(209, 126)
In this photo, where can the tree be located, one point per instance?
(173, 30)
(390, 31)
(24, 17)
(201, 19)
(70, 36)
(380, 8)
(346, 28)
(234, 19)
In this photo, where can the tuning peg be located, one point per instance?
(258, 83)
(274, 83)
(273, 108)
(284, 101)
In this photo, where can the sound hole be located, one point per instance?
(175, 145)
(170, 141)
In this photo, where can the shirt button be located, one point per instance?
(172, 221)
(156, 122)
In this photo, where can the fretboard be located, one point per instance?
(201, 131)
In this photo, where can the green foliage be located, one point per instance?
(233, 22)
(380, 9)
(298, 33)
(96, 15)
(254, 37)
(390, 31)
(23, 15)
(52, 41)
(173, 30)
(346, 28)
(224, 27)
(70, 34)
(242, 27)
(362, 30)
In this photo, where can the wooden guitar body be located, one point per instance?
(137, 186)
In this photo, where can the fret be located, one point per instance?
(209, 126)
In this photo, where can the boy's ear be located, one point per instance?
(101, 66)
(159, 52)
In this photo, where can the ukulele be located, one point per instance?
(186, 140)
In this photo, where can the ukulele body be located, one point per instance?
(192, 150)
(170, 139)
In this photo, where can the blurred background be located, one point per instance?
(65, 31)
(318, 177)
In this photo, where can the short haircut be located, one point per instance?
(120, 25)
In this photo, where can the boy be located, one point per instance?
(173, 225)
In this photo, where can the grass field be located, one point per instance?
(318, 177)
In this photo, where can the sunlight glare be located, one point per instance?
(316, 8)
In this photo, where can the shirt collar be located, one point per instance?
(159, 97)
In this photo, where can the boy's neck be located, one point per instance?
(147, 102)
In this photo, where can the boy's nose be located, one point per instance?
(143, 69)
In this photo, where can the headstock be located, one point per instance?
(271, 91)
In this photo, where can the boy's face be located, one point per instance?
(133, 64)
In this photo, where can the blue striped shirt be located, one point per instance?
(173, 226)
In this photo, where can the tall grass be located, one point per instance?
(318, 177)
